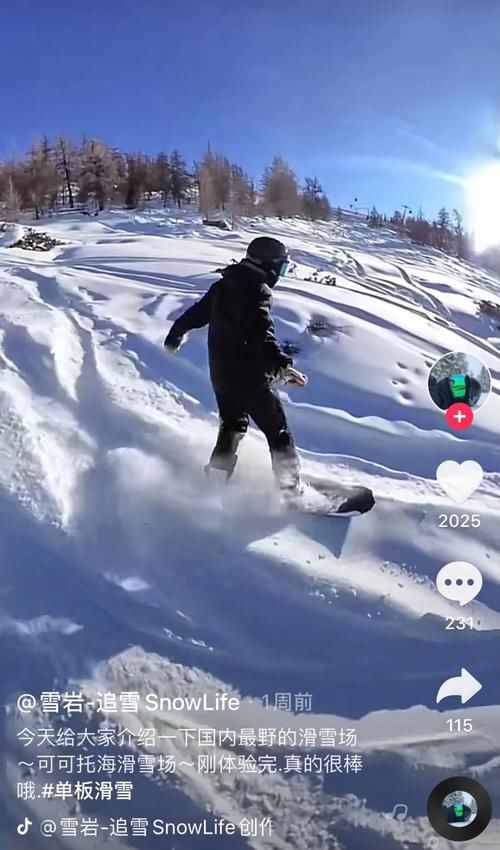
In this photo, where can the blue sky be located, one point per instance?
(389, 101)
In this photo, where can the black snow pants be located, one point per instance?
(256, 401)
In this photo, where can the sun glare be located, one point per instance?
(483, 202)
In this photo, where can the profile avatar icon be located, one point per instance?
(459, 809)
(455, 388)
(459, 378)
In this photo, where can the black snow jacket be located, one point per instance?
(442, 395)
(242, 343)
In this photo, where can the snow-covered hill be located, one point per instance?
(121, 572)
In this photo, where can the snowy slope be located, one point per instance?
(119, 570)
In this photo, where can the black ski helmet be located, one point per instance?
(269, 253)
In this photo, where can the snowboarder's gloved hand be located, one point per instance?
(293, 377)
(172, 343)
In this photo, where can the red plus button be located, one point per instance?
(459, 416)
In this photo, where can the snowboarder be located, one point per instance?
(245, 359)
(458, 813)
(455, 388)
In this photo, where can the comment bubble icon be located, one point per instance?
(459, 581)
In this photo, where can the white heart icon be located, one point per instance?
(460, 480)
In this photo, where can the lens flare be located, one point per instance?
(483, 202)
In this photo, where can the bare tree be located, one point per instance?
(324, 208)
(58, 172)
(118, 175)
(419, 229)
(67, 166)
(97, 173)
(221, 173)
(42, 180)
(280, 189)
(180, 180)
(136, 180)
(10, 199)
(312, 194)
(207, 195)
(242, 192)
(162, 177)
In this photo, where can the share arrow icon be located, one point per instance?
(464, 686)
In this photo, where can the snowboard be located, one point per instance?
(317, 496)
(328, 500)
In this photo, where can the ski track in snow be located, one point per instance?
(120, 570)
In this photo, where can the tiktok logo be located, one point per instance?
(23, 828)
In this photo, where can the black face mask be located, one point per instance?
(273, 277)
(273, 271)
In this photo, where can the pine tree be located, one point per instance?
(461, 245)
(455, 363)
(180, 180)
(397, 220)
(374, 218)
(484, 378)
(443, 229)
